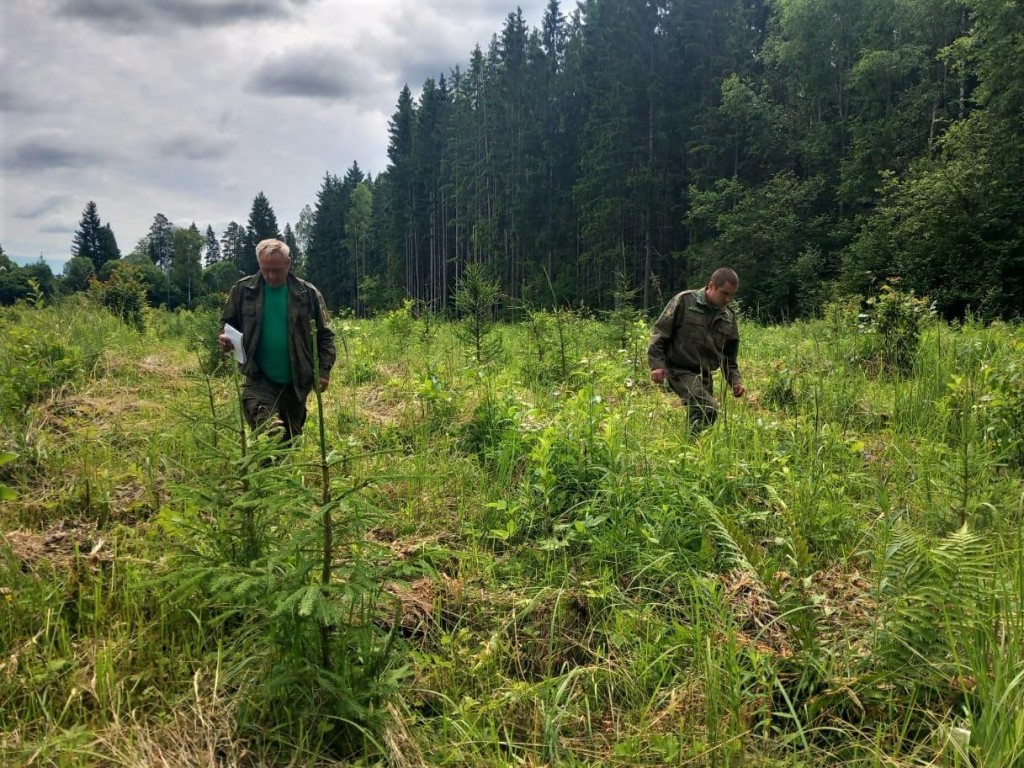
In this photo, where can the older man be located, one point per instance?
(273, 309)
(695, 335)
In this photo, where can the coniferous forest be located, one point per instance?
(618, 151)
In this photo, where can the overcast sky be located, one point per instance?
(191, 107)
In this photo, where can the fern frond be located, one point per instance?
(731, 538)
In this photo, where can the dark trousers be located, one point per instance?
(262, 399)
(696, 390)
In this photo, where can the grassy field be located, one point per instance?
(505, 549)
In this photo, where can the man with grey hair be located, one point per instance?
(273, 310)
(696, 334)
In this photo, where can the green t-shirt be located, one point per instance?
(272, 353)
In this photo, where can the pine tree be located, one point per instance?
(357, 232)
(262, 225)
(401, 234)
(232, 245)
(87, 242)
(429, 263)
(211, 247)
(109, 252)
(293, 246)
(323, 259)
(161, 245)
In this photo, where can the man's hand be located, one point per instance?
(738, 390)
(658, 375)
(225, 343)
(324, 381)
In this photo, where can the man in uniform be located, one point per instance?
(273, 309)
(695, 335)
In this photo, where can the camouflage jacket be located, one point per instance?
(244, 311)
(692, 335)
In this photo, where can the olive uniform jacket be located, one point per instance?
(244, 311)
(697, 337)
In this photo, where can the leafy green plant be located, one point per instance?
(439, 403)
(34, 362)
(780, 390)
(927, 592)
(893, 326)
(125, 295)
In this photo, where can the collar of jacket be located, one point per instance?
(700, 297)
(255, 282)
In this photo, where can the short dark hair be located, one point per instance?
(724, 276)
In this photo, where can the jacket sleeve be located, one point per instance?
(730, 366)
(232, 313)
(661, 336)
(324, 335)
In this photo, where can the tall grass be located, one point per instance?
(519, 557)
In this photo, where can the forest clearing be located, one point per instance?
(504, 548)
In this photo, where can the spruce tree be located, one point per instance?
(401, 230)
(87, 243)
(325, 255)
(211, 248)
(161, 245)
(232, 245)
(262, 225)
(108, 246)
(290, 241)
(357, 231)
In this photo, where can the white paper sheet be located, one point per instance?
(236, 338)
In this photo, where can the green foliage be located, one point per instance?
(892, 326)
(33, 363)
(527, 566)
(201, 339)
(78, 271)
(220, 276)
(261, 226)
(476, 301)
(185, 276)
(625, 321)
(439, 401)
(780, 387)
(552, 345)
(928, 592)
(294, 564)
(773, 236)
(125, 295)
(399, 323)
(32, 283)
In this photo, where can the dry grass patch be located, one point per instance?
(62, 546)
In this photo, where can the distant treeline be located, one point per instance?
(621, 151)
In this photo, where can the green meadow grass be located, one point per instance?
(529, 561)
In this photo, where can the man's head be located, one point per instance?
(275, 260)
(722, 287)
